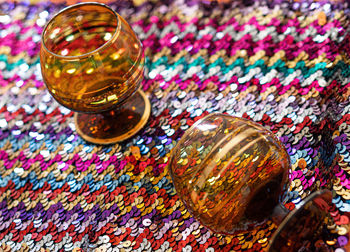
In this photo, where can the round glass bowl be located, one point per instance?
(229, 172)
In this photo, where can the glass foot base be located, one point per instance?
(115, 125)
(302, 229)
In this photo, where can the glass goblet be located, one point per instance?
(231, 173)
(92, 63)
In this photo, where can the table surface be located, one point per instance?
(283, 64)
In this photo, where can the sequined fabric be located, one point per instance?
(283, 64)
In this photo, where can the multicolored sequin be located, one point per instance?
(283, 64)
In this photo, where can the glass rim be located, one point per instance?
(104, 45)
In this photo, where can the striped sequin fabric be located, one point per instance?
(283, 64)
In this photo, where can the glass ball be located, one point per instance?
(229, 172)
